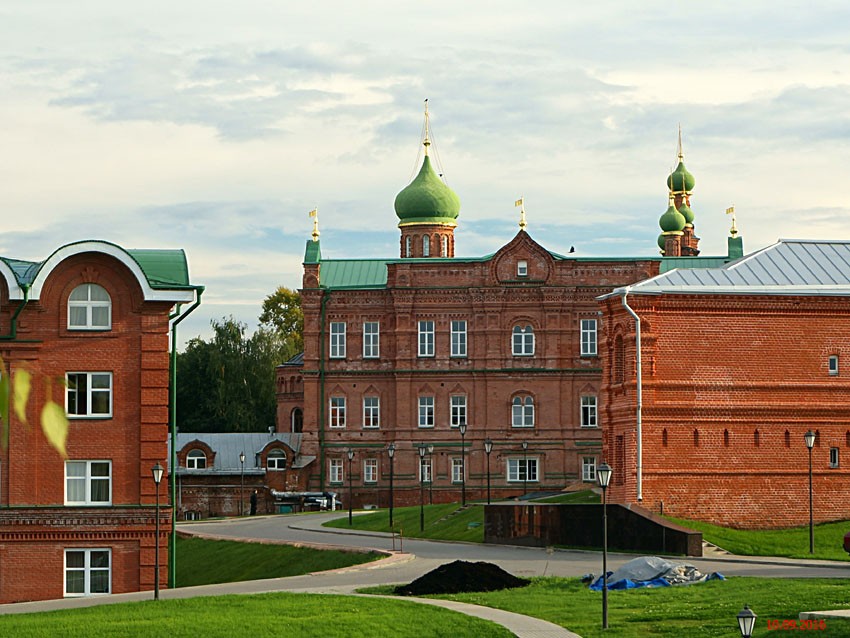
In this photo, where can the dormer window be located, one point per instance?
(196, 460)
(522, 268)
(89, 308)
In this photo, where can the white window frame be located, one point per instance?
(426, 470)
(336, 471)
(458, 338)
(515, 470)
(833, 365)
(426, 411)
(370, 471)
(588, 468)
(588, 338)
(834, 457)
(276, 460)
(371, 412)
(89, 305)
(522, 268)
(589, 411)
(457, 410)
(522, 341)
(408, 251)
(426, 246)
(192, 457)
(371, 339)
(522, 412)
(444, 246)
(87, 479)
(337, 339)
(337, 412)
(87, 571)
(72, 389)
(457, 470)
(426, 338)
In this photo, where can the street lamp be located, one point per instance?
(391, 454)
(525, 464)
(488, 447)
(603, 477)
(810, 443)
(157, 471)
(746, 621)
(350, 502)
(462, 428)
(241, 482)
(430, 474)
(421, 487)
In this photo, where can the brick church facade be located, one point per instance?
(90, 324)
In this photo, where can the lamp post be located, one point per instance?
(525, 464)
(810, 443)
(421, 487)
(350, 458)
(746, 621)
(157, 471)
(603, 477)
(391, 454)
(430, 475)
(488, 447)
(462, 428)
(241, 482)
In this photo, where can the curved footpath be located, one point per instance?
(420, 557)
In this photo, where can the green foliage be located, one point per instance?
(585, 496)
(207, 562)
(282, 314)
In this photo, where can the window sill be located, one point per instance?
(523, 427)
(426, 427)
(590, 427)
(88, 417)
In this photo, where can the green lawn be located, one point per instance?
(293, 615)
(446, 522)
(205, 562)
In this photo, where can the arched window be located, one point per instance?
(426, 246)
(297, 421)
(408, 250)
(196, 460)
(696, 438)
(522, 412)
(523, 341)
(89, 308)
(664, 437)
(787, 438)
(756, 438)
(276, 460)
(619, 360)
(726, 438)
(847, 438)
(444, 246)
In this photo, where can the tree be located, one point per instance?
(282, 314)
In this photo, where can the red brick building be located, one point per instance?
(93, 317)
(737, 364)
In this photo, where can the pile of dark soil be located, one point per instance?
(461, 576)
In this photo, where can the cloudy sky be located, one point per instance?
(217, 128)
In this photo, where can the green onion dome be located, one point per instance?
(672, 221)
(427, 200)
(680, 180)
(662, 242)
(687, 213)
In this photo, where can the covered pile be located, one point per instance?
(461, 576)
(652, 571)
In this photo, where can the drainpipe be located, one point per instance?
(13, 328)
(176, 318)
(322, 321)
(639, 380)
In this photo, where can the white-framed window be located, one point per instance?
(276, 460)
(337, 412)
(89, 308)
(335, 472)
(426, 412)
(833, 457)
(426, 338)
(88, 482)
(458, 338)
(370, 471)
(457, 409)
(426, 246)
(522, 412)
(588, 411)
(408, 251)
(444, 246)
(371, 340)
(523, 341)
(522, 469)
(588, 468)
(88, 572)
(89, 394)
(833, 364)
(588, 337)
(371, 412)
(425, 470)
(337, 340)
(196, 460)
(457, 470)
(522, 268)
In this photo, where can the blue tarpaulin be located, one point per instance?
(652, 571)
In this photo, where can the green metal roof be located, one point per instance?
(354, 273)
(669, 263)
(163, 268)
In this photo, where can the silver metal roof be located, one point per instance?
(788, 267)
(227, 447)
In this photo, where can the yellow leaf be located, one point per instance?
(4, 408)
(54, 424)
(21, 385)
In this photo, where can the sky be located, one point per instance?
(216, 127)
